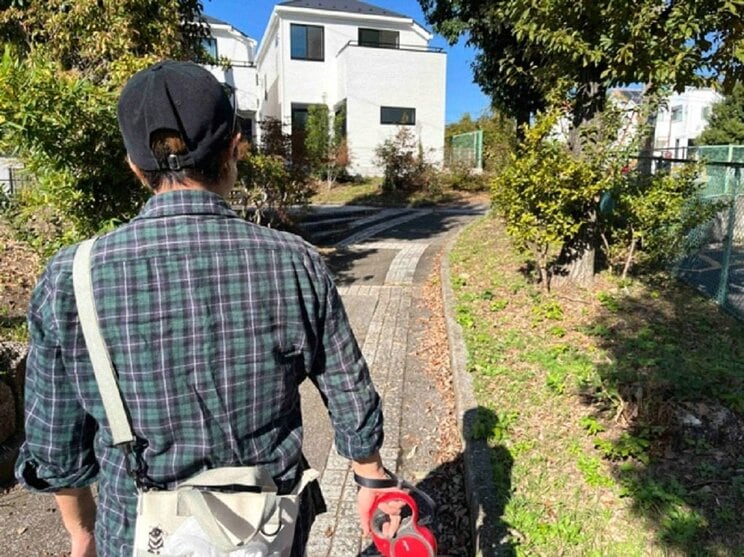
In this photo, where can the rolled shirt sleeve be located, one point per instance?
(343, 378)
(58, 449)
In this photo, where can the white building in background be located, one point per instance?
(372, 64)
(232, 45)
(683, 117)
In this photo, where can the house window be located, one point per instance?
(378, 38)
(299, 117)
(339, 118)
(306, 42)
(209, 45)
(677, 114)
(706, 113)
(246, 128)
(397, 115)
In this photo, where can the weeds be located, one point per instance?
(633, 355)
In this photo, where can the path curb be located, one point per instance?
(479, 487)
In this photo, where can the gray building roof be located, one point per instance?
(349, 6)
(214, 21)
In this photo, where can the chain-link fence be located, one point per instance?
(12, 177)
(715, 264)
(466, 149)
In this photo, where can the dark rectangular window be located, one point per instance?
(306, 42)
(339, 118)
(299, 117)
(397, 115)
(209, 45)
(379, 38)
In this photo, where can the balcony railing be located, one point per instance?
(406, 47)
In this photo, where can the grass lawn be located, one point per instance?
(369, 192)
(585, 397)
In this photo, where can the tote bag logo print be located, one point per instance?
(155, 540)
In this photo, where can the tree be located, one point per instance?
(544, 193)
(325, 142)
(568, 54)
(405, 168)
(271, 179)
(62, 66)
(726, 122)
(532, 54)
(102, 39)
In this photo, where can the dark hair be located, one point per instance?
(164, 143)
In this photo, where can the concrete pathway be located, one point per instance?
(385, 347)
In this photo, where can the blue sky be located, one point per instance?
(463, 95)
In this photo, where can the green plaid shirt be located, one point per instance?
(212, 324)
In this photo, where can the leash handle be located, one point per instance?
(392, 482)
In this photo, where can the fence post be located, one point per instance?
(722, 294)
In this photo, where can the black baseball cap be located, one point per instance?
(177, 96)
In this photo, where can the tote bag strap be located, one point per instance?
(103, 369)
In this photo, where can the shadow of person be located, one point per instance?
(470, 493)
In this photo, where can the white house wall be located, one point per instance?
(674, 136)
(367, 78)
(378, 77)
(242, 73)
(269, 62)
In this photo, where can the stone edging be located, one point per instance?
(479, 486)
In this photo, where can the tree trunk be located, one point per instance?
(576, 262)
(576, 266)
(631, 253)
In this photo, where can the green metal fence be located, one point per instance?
(467, 148)
(716, 263)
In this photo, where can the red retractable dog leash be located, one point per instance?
(411, 538)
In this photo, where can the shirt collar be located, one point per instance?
(185, 202)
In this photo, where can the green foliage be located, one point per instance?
(317, 136)
(269, 180)
(656, 214)
(591, 468)
(610, 303)
(726, 121)
(499, 139)
(105, 41)
(544, 194)
(591, 425)
(624, 447)
(62, 66)
(405, 168)
(562, 363)
(492, 427)
(532, 54)
(64, 129)
(325, 145)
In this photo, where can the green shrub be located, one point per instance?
(63, 127)
(404, 164)
(270, 181)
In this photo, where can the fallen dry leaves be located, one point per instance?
(446, 484)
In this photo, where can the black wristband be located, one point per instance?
(377, 483)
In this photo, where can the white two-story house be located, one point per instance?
(682, 119)
(238, 51)
(371, 64)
